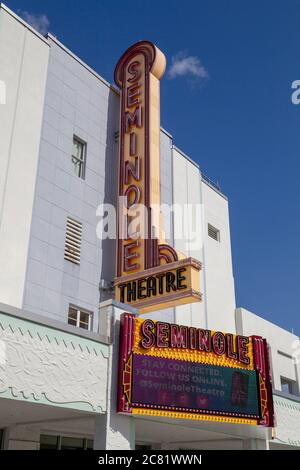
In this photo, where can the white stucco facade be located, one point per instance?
(23, 68)
(57, 379)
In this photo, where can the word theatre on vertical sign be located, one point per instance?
(150, 273)
(184, 372)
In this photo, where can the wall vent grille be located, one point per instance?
(213, 232)
(73, 241)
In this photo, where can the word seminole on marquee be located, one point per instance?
(167, 335)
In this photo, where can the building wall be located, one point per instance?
(166, 186)
(77, 103)
(188, 229)
(287, 413)
(283, 346)
(217, 262)
(23, 68)
(51, 364)
(195, 204)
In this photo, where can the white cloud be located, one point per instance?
(39, 22)
(185, 65)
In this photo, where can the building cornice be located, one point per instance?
(23, 22)
(48, 322)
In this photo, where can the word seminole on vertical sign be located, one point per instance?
(150, 273)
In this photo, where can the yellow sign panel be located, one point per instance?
(161, 287)
(147, 267)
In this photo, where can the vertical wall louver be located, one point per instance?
(73, 241)
(213, 232)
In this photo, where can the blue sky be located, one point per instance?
(228, 106)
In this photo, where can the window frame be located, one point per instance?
(59, 438)
(292, 384)
(2, 432)
(81, 161)
(80, 310)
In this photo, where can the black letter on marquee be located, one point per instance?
(181, 278)
(141, 288)
(160, 282)
(151, 286)
(122, 293)
(170, 278)
(131, 291)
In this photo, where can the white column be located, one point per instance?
(114, 432)
(256, 444)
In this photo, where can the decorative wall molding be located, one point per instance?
(44, 365)
(287, 414)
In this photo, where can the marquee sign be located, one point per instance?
(185, 372)
(150, 273)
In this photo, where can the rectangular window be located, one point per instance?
(89, 444)
(51, 442)
(80, 318)
(73, 241)
(287, 385)
(142, 447)
(72, 443)
(79, 157)
(213, 232)
(48, 442)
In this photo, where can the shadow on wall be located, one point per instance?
(110, 194)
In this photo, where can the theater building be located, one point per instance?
(66, 156)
